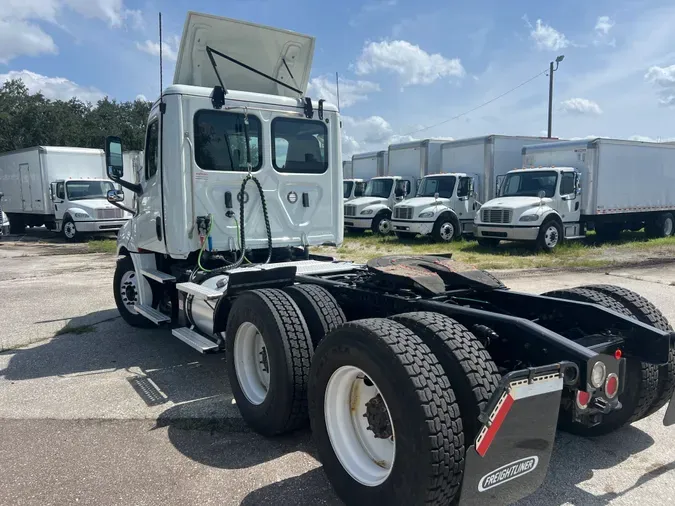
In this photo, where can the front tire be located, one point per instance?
(268, 353)
(409, 447)
(125, 286)
(550, 236)
(446, 229)
(382, 224)
(69, 230)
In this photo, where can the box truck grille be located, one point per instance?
(496, 215)
(108, 214)
(403, 213)
(350, 210)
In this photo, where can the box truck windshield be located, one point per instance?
(80, 190)
(379, 188)
(430, 186)
(529, 184)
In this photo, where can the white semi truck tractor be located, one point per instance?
(446, 204)
(425, 381)
(567, 188)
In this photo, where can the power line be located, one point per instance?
(476, 108)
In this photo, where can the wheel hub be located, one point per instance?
(128, 291)
(251, 363)
(378, 418)
(447, 231)
(551, 237)
(384, 226)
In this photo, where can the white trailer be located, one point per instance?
(404, 166)
(446, 204)
(62, 188)
(567, 188)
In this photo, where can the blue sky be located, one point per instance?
(403, 67)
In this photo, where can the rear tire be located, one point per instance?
(646, 312)
(488, 243)
(428, 453)
(661, 226)
(279, 354)
(641, 380)
(17, 224)
(321, 311)
(467, 364)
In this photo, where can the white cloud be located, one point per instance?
(56, 88)
(663, 78)
(604, 25)
(580, 106)
(413, 64)
(136, 18)
(111, 11)
(20, 38)
(151, 47)
(547, 37)
(370, 7)
(29, 9)
(360, 135)
(350, 91)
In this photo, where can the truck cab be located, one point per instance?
(81, 206)
(444, 207)
(373, 211)
(352, 189)
(539, 205)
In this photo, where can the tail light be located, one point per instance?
(583, 398)
(611, 386)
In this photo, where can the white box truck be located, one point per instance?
(446, 204)
(63, 188)
(567, 188)
(364, 166)
(405, 165)
(383, 360)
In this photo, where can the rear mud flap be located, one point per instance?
(510, 457)
(669, 419)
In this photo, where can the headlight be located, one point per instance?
(529, 217)
(81, 215)
(428, 214)
(598, 374)
(367, 211)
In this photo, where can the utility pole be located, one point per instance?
(550, 91)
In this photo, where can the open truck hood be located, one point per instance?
(260, 47)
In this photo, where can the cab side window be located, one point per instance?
(402, 188)
(567, 183)
(464, 187)
(152, 150)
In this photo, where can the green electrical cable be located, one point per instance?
(206, 239)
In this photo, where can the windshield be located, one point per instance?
(528, 184)
(347, 188)
(80, 190)
(430, 186)
(379, 188)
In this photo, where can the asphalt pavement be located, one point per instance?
(112, 415)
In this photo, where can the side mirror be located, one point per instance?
(115, 196)
(541, 194)
(398, 193)
(113, 158)
(436, 195)
(52, 191)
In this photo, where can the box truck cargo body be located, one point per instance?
(470, 168)
(363, 166)
(62, 188)
(567, 188)
(404, 166)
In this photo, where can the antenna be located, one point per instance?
(337, 87)
(161, 82)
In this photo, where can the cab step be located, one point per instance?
(160, 276)
(195, 340)
(199, 291)
(152, 314)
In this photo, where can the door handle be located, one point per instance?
(158, 227)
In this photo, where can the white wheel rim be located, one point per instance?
(251, 363)
(551, 237)
(668, 227)
(384, 227)
(69, 230)
(129, 291)
(367, 459)
(447, 231)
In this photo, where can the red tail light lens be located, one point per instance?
(611, 386)
(583, 398)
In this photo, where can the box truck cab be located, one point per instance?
(539, 205)
(444, 208)
(352, 189)
(373, 210)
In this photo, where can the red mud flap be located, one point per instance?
(510, 456)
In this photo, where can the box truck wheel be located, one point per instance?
(319, 308)
(16, 224)
(268, 352)
(662, 226)
(125, 286)
(646, 312)
(467, 364)
(550, 235)
(384, 417)
(69, 230)
(640, 382)
(446, 229)
(382, 223)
